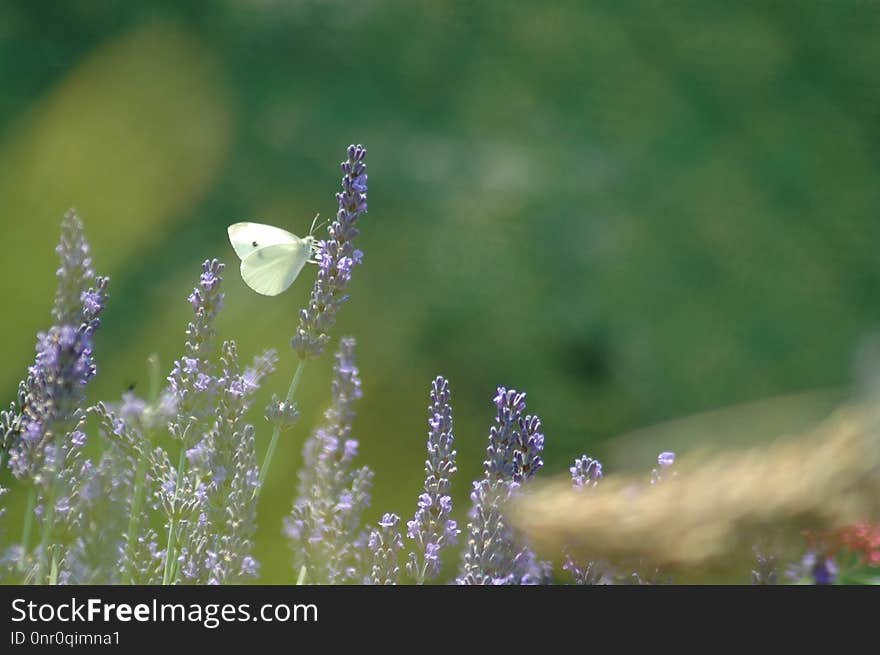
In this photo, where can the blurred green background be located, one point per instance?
(632, 211)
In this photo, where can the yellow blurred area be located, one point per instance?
(132, 137)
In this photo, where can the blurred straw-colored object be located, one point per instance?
(717, 506)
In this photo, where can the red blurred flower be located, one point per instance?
(863, 538)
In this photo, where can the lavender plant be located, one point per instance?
(194, 384)
(42, 433)
(493, 554)
(385, 543)
(585, 475)
(336, 257)
(146, 512)
(432, 529)
(209, 500)
(324, 526)
(206, 501)
(128, 430)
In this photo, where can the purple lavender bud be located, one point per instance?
(432, 527)
(665, 461)
(586, 472)
(336, 258)
(816, 567)
(92, 302)
(385, 544)
(250, 568)
(200, 455)
(824, 571)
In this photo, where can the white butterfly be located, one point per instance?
(271, 258)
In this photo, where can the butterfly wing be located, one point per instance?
(271, 269)
(248, 237)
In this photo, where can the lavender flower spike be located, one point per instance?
(336, 258)
(432, 528)
(385, 544)
(52, 393)
(324, 526)
(41, 433)
(492, 553)
(585, 475)
(75, 274)
(192, 379)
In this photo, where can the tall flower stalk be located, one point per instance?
(646, 572)
(336, 257)
(324, 526)
(493, 555)
(42, 432)
(585, 475)
(193, 384)
(432, 529)
(385, 544)
(130, 428)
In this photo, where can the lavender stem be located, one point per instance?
(53, 570)
(169, 551)
(48, 517)
(27, 528)
(276, 433)
(141, 473)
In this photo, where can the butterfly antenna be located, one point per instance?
(314, 221)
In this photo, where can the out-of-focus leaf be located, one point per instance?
(132, 137)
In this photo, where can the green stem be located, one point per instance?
(46, 535)
(48, 518)
(28, 526)
(53, 571)
(169, 551)
(276, 433)
(134, 519)
(141, 472)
